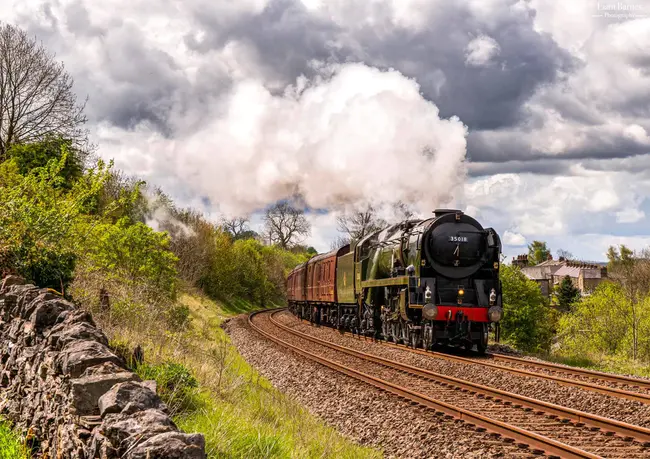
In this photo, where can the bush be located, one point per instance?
(607, 323)
(178, 317)
(177, 387)
(528, 321)
(40, 220)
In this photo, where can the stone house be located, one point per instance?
(584, 276)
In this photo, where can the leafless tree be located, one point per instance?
(235, 226)
(359, 224)
(403, 211)
(36, 97)
(339, 242)
(284, 225)
(561, 253)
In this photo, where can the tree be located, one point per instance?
(527, 322)
(36, 96)
(41, 222)
(32, 155)
(632, 272)
(236, 226)
(538, 252)
(567, 294)
(285, 224)
(561, 253)
(340, 241)
(358, 224)
(619, 259)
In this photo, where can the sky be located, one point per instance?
(531, 116)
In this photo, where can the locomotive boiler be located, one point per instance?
(418, 282)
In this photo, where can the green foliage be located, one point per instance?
(133, 253)
(11, 447)
(248, 270)
(607, 323)
(567, 294)
(178, 317)
(39, 217)
(176, 385)
(28, 157)
(528, 320)
(538, 252)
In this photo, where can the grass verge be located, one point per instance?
(603, 363)
(11, 446)
(211, 389)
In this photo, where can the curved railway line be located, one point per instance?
(540, 426)
(608, 384)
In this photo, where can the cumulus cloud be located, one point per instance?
(514, 239)
(236, 104)
(480, 51)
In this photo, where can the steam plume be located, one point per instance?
(353, 136)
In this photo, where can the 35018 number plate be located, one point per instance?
(457, 238)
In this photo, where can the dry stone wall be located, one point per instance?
(61, 383)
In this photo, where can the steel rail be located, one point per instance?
(536, 441)
(624, 429)
(575, 371)
(611, 391)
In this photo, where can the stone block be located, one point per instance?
(76, 356)
(86, 391)
(170, 445)
(132, 394)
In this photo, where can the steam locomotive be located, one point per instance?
(418, 282)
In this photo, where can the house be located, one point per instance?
(585, 277)
(549, 273)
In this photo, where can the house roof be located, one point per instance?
(566, 270)
(534, 273)
(551, 263)
(573, 270)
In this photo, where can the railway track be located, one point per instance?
(625, 383)
(604, 383)
(544, 427)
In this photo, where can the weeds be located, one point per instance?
(11, 446)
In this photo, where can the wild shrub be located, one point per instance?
(39, 220)
(176, 385)
(528, 321)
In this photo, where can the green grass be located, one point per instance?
(605, 364)
(10, 445)
(239, 412)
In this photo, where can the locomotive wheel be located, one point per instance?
(405, 334)
(482, 343)
(415, 339)
(394, 332)
(385, 330)
(427, 338)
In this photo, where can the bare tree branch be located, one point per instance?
(359, 224)
(36, 96)
(235, 226)
(284, 225)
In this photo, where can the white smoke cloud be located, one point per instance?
(160, 217)
(353, 136)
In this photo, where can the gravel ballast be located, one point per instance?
(573, 397)
(365, 414)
